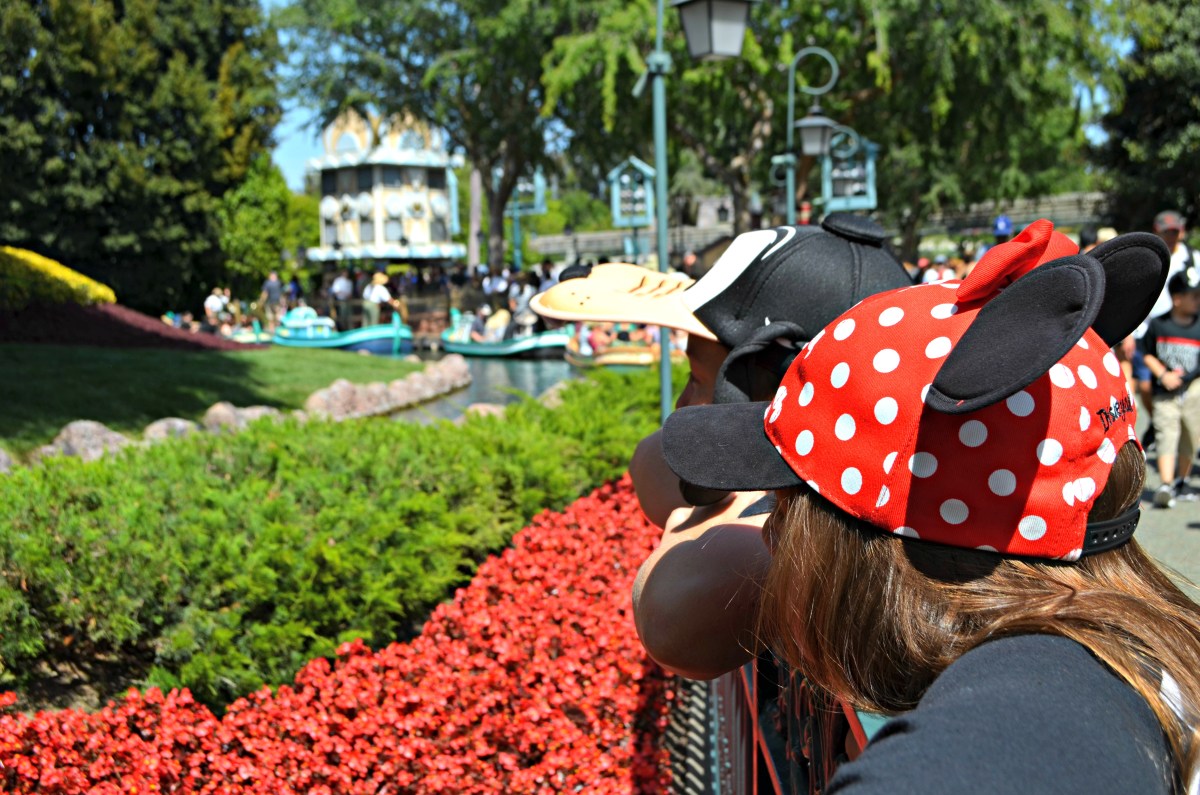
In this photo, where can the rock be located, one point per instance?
(220, 416)
(300, 416)
(251, 413)
(484, 410)
(317, 403)
(340, 397)
(88, 440)
(6, 461)
(168, 428)
(552, 397)
(400, 393)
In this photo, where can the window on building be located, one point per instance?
(437, 231)
(345, 180)
(328, 182)
(415, 177)
(393, 177)
(437, 179)
(393, 231)
(330, 233)
(346, 143)
(368, 232)
(366, 177)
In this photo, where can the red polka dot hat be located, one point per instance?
(982, 413)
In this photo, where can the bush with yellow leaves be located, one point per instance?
(26, 278)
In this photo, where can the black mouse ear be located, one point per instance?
(578, 271)
(1019, 335)
(1135, 270)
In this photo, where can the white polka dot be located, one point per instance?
(1073, 555)
(922, 465)
(925, 392)
(1020, 404)
(886, 410)
(1086, 376)
(844, 428)
(1107, 452)
(972, 433)
(1032, 527)
(884, 495)
(1049, 451)
(886, 360)
(937, 348)
(1002, 482)
(1083, 343)
(1111, 364)
(777, 404)
(1085, 489)
(840, 375)
(808, 349)
(844, 329)
(986, 548)
(954, 511)
(888, 461)
(1068, 492)
(812, 484)
(1061, 376)
(943, 311)
(806, 394)
(851, 481)
(906, 531)
(891, 316)
(1131, 434)
(804, 443)
(1085, 418)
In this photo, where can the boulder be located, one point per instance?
(340, 397)
(221, 416)
(88, 440)
(168, 428)
(552, 397)
(252, 413)
(484, 410)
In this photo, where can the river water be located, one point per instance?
(493, 380)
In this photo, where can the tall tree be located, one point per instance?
(1151, 156)
(471, 67)
(122, 124)
(254, 225)
(976, 101)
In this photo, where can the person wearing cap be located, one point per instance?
(479, 329)
(1002, 229)
(1171, 350)
(375, 295)
(694, 598)
(958, 483)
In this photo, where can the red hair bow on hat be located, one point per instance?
(1003, 264)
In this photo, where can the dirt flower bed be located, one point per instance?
(531, 680)
(103, 325)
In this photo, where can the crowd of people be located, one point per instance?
(921, 493)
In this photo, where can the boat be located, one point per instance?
(541, 345)
(620, 357)
(307, 330)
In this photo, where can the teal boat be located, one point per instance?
(307, 330)
(543, 345)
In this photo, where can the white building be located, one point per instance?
(388, 193)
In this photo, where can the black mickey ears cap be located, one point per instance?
(804, 275)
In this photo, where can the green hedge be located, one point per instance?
(222, 563)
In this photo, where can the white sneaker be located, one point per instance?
(1164, 497)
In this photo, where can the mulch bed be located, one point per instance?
(104, 326)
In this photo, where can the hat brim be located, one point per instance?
(622, 293)
(724, 446)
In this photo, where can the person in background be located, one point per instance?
(1002, 230)
(1171, 347)
(271, 298)
(214, 304)
(695, 597)
(294, 291)
(374, 297)
(547, 278)
(342, 290)
(958, 487)
(479, 329)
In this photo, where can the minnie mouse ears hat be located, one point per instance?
(979, 413)
(805, 275)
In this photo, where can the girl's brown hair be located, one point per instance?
(875, 619)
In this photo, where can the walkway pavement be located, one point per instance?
(1172, 535)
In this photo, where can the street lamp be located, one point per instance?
(816, 128)
(714, 24)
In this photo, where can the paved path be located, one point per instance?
(1172, 536)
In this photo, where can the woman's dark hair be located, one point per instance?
(874, 618)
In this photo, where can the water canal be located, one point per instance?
(493, 380)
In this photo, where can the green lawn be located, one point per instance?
(43, 387)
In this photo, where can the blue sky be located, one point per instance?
(295, 145)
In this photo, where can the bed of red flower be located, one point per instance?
(530, 680)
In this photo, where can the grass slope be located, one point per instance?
(43, 387)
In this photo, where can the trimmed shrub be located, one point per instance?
(221, 563)
(27, 278)
(531, 680)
